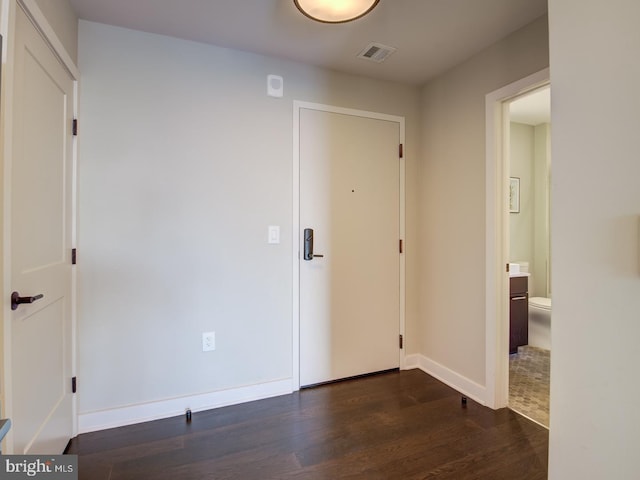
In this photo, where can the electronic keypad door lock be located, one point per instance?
(308, 245)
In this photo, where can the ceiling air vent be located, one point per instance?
(376, 52)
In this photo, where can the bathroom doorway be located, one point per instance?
(497, 188)
(528, 161)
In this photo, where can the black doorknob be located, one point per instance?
(16, 299)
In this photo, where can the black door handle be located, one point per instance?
(16, 299)
(308, 245)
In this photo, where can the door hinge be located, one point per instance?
(401, 151)
(74, 256)
(401, 342)
(401, 246)
(74, 127)
(74, 385)
(507, 268)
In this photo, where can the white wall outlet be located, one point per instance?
(208, 341)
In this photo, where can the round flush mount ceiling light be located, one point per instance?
(335, 11)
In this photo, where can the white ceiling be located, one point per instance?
(431, 36)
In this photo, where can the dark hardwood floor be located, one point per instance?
(400, 425)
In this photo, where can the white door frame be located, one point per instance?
(497, 235)
(7, 29)
(295, 327)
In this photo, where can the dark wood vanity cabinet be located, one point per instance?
(518, 313)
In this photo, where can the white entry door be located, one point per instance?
(350, 198)
(40, 391)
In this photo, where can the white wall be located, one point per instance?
(595, 74)
(540, 284)
(452, 199)
(521, 225)
(529, 232)
(185, 161)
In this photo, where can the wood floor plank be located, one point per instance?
(403, 425)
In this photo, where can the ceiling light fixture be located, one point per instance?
(335, 11)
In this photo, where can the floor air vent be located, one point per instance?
(376, 52)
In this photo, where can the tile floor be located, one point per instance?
(529, 383)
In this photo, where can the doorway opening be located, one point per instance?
(498, 189)
(528, 159)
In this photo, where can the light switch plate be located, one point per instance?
(273, 234)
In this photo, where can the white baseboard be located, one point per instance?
(466, 387)
(145, 412)
(119, 417)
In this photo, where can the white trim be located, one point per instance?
(462, 384)
(295, 251)
(145, 412)
(403, 236)
(497, 247)
(74, 269)
(298, 105)
(38, 18)
(6, 107)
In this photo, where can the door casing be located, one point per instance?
(296, 236)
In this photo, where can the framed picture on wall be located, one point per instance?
(514, 195)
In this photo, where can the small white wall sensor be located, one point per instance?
(275, 86)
